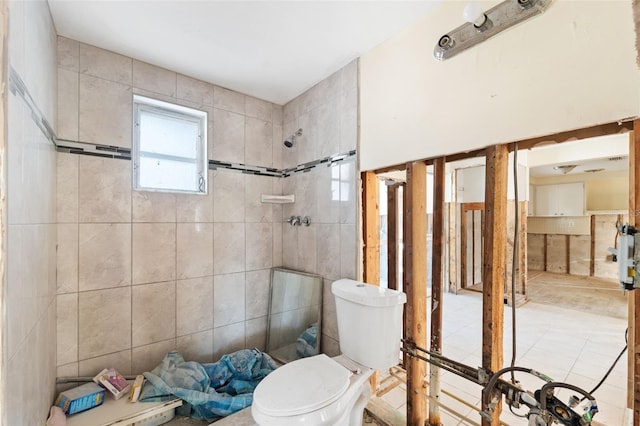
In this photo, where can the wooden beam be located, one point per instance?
(494, 264)
(463, 248)
(371, 228)
(392, 236)
(522, 249)
(453, 258)
(437, 275)
(415, 285)
(633, 387)
(592, 252)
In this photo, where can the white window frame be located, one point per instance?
(177, 112)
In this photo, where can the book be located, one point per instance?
(113, 381)
(136, 388)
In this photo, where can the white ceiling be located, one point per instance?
(273, 50)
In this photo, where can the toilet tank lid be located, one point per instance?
(367, 294)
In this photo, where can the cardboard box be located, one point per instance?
(81, 398)
(113, 381)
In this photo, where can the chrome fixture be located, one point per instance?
(294, 221)
(297, 221)
(482, 25)
(288, 142)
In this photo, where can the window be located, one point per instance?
(169, 147)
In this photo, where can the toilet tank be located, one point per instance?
(369, 322)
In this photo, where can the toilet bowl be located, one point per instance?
(334, 391)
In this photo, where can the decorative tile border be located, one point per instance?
(17, 87)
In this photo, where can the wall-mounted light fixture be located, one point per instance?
(483, 25)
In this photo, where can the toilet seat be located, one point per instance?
(301, 386)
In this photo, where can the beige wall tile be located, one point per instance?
(258, 149)
(68, 370)
(105, 64)
(67, 258)
(154, 313)
(194, 305)
(154, 79)
(228, 100)
(68, 98)
(105, 256)
(307, 144)
(228, 339)
(68, 54)
(350, 76)
(349, 121)
(278, 146)
(228, 193)
(154, 252)
(257, 300)
(193, 90)
(328, 250)
(150, 206)
(104, 190)
(110, 312)
(194, 250)
(196, 208)
(258, 108)
(307, 249)
(255, 210)
(328, 194)
(228, 136)
(105, 112)
(121, 361)
(196, 347)
(228, 248)
(67, 328)
(348, 251)
(67, 187)
(348, 195)
(148, 357)
(256, 333)
(328, 128)
(259, 247)
(277, 243)
(277, 114)
(330, 88)
(228, 299)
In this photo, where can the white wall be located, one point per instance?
(565, 69)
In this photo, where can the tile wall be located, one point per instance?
(142, 273)
(328, 115)
(29, 323)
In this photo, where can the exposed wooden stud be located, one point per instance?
(633, 386)
(415, 286)
(522, 249)
(454, 285)
(494, 263)
(592, 233)
(463, 247)
(392, 236)
(545, 252)
(437, 275)
(567, 245)
(371, 228)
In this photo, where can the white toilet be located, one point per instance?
(334, 391)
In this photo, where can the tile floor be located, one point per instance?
(568, 345)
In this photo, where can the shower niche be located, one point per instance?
(295, 314)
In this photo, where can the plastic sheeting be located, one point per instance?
(209, 391)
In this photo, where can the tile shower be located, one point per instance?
(142, 273)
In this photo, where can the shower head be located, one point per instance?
(292, 139)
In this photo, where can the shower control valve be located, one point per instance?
(306, 221)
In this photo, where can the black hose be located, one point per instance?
(606, 375)
(514, 262)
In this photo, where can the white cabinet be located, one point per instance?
(565, 199)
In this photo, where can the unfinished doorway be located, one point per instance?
(471, 245)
